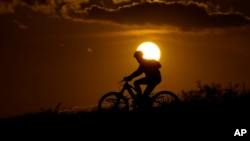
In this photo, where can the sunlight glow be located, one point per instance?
(150, 50)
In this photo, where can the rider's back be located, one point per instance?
(151, 69)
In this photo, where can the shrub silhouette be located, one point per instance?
(215, 93)
(215, 98)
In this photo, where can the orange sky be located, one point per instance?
(48, 56)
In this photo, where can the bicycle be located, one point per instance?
(122, 101)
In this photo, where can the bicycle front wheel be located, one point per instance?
(164, 99)
(113, 101)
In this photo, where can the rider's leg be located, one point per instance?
(137, 84)
(145, 97)
(149, 88)
(152, 83)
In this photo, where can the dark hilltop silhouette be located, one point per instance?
(209, 110)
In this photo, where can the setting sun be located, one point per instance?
(150, 50)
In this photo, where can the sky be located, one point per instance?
(74, 51)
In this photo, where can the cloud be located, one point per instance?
(186, 15)
(120, 1)
(7, 7)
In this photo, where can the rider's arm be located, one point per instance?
(136, 73)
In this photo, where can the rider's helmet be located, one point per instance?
(138, 54)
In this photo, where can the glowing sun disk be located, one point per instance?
(150, 50)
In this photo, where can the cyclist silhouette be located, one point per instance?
(152, 75)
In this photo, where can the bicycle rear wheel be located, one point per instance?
(113, 101)
(164, 99)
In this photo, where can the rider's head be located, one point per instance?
(138, 55)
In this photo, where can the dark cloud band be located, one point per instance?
(185, 15)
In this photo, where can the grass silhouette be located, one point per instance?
(208, 106)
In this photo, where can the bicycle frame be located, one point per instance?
(129, 88)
